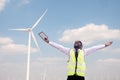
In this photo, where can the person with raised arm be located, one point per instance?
(76, 63)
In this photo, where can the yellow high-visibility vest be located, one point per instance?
(80, 70)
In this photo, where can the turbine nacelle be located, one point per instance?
(28, 29)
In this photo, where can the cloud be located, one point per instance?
(8, 47)
(55, 69)
(110, 60)
(3, 4)
(5, 40)
(52, 60)
(25, 1)
(102, 69)
(116, 50)
(112, 50)
(90, 33)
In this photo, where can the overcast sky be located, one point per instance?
(93, 22)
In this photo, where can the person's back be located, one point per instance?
(76, 63)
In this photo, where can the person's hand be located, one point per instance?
(46, 40)
(108, 43)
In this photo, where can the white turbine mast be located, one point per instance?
(31, 34)
(44, 74)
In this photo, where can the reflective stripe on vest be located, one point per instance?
(80, 63)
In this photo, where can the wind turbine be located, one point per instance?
(31, 34)
(44, 74)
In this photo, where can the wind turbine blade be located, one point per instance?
(35, 40)
(36, 23)
(19, 29)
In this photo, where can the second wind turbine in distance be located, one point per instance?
(31, 34)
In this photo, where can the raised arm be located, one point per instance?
(95, 48)
(57, 46)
